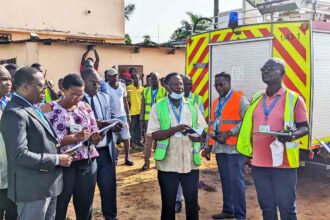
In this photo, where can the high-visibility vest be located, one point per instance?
(245, 142)
(163, 113)
(197, 99)
(147, 93)
(48, 97)
(230, 116)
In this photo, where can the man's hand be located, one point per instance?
(96, 138)
(195, 138)
(223, 137)
(117, 128)
(64, 160)
(207, 153)
(181, 128)
(83, 135)
(215, 137)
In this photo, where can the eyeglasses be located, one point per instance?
(94, 83)
(41, 86)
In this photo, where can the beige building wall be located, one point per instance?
(62, 58)
(75, 18)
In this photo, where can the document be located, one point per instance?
(277, 149)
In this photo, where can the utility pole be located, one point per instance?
(216, 12)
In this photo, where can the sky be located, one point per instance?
(159, 18)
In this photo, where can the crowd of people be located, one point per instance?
(55, 146)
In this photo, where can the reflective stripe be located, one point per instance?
(161, 145)
(230, 122)
(147, 104)
(146, 112)
(196, 150)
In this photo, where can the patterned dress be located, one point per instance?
(63, 120)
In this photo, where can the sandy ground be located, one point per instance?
(138, 194)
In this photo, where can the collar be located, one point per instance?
(280, 92)
(21, 97)
(228, 93)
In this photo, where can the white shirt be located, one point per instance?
(179, 155)
(99, 116)
(117, 97)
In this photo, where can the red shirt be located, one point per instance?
(262, 156)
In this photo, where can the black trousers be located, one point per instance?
(135, 129)
(8, 208)
(168, 182)
(79, 181)
(106, 180)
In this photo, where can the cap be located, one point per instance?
(112, 72)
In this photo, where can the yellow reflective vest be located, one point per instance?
(147, 93)
(245, 143)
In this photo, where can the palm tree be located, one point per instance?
(129, 9)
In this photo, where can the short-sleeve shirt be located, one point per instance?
(179, 155)
(261, 142)
(82, 116)
(135, 95)
(117, 97)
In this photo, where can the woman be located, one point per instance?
(74, 122)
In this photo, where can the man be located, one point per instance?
(7, 207)
(187, 84)
(34, 179)
(151, 95)
(187, 88)
(50, 93)
(177, 154)
(118, 93)
(106, 162)
(226, 115)
(282, 110)
(89, 62)
(12, 68)
(135, 95)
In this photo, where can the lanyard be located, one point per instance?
(175, 111)
(153, 95)
(268, 111)
(222, 104)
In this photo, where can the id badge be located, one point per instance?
(74, 128)
(178, 134)
(264, 128)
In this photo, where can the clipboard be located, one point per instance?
(274, 133)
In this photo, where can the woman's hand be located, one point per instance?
(96, 138)
(83, 135)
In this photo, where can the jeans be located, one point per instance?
(168, 182)
(106, 181)
(79, 181)
(232, 182)
(276, 188)
(7, 207)
(135, 129)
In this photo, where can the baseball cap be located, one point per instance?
(112, 72)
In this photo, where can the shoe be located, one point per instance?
(145, 166)
(222, 215)
(128, 162)
(178, 207)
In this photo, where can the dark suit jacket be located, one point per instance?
(107, 113)
(31, 153)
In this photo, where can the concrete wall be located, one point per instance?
(63, 17)
(62, 58)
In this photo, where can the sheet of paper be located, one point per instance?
(116, 120)
(277, 149)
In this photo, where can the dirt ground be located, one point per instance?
(138, 194)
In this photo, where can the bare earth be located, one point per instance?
(138, 194)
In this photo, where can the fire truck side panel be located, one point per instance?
(321, 87)
(197, 66)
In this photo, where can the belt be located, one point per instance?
(102, 148)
